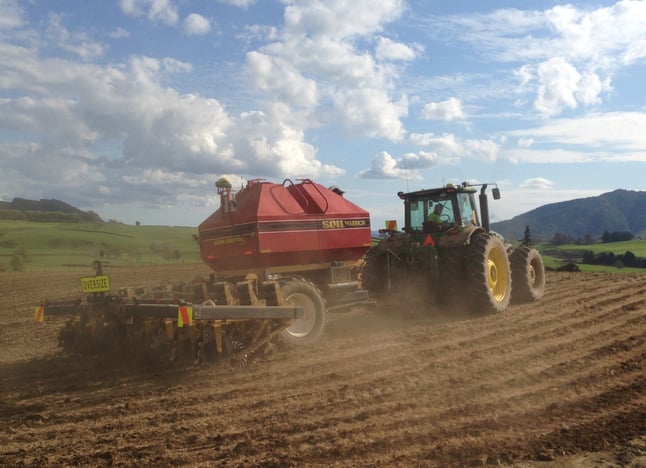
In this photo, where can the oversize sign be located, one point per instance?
(93, 284)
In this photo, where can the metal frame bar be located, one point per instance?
(170, 311)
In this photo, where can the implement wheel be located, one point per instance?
(528, 275)
(488, 274)
(307, 330)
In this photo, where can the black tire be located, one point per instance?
(488, 274)
(307, 330)
(451, 291)
(528, 275)
(373, 273)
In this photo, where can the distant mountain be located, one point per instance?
(45, 210)
(620, 210)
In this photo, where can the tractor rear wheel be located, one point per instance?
(374, 272)
(451, 290)
(307, 330)
(488, 274)
(528, 275)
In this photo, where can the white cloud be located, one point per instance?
(315, 63)
(568, 55)
(576, 34)
(450, 150)
(94, 120)
(635, 52)
(559, 83)
(271, 147)
(525, 142)
(11, 15)
(278, 76)
(524, 75)
(483, 150)
(119, 33)
(384, 166)
(570, 156)
(420, 139)
(196, 24)
(562, 86)
(446, 145)
(172, 65)
(595, 138)
(155, 10)
(538, 183)
(370, 112)
(340, 20)
(620, 131)
(448, 110)
(387, 49)
(596, 33)
(238, 3)
(591, 87)
(77, 43)
(419, 160)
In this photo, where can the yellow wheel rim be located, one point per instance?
(497, 274)
(532, 275)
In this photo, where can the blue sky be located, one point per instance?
(133, 108)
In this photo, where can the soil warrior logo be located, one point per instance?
(343, 223)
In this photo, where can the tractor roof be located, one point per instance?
(447, 189)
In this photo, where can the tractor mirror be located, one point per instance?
(496, 193)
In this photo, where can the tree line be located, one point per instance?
(627, 259)
(49, 216)
(607, 237)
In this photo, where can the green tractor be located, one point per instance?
(447, 254)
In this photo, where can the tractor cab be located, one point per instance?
(438, 210)
(449, 208)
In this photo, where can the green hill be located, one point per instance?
(44, 210)
(617, 211)
(53, 245)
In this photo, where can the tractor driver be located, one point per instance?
(435, 217)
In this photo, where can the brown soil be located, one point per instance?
(556, 383)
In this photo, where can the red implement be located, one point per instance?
(283, 227)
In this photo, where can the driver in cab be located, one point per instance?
(435, 217)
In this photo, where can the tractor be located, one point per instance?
(447, 255)
(283, 255)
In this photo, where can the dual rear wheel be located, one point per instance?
(484, 278)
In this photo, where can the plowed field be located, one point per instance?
(556, 383)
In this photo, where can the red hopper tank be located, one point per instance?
(284, 228)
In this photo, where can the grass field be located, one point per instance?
(46, 246)
(557, 255)
(638, 247)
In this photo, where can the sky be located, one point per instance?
(134, 108)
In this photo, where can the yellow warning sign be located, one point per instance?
(39, 316)
(92, 284)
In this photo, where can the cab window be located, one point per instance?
(467, 213)
(417, 214)
(447, 209)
